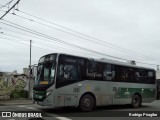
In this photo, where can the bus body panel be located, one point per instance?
(106, 93)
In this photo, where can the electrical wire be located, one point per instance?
(2, 6)
(97, 42)
(49, 37)
(44, 44)
(13, 40)
(58, 40)
(51, 43)
(102, 42)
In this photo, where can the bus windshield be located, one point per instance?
(46, 71)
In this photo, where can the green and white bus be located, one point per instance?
(67, 80)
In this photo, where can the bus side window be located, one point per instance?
(60, 71)
(151, 77)
(141, 76)
(118, 74)
(131, 75)
(137, 76)
(69, 72)
(123, 73)
(94, 70)
(108, 72)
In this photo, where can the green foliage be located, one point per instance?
(19, 94)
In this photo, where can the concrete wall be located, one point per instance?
(8, 83)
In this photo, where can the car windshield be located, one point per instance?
(45, 72)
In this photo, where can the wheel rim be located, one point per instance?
(87, 103)
(136, 101)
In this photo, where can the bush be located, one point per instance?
(19, 94)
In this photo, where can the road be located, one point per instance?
(69, 113)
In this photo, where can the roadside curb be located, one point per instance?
(16, 102)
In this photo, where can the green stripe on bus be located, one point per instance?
(128, 92)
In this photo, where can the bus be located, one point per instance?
(68, 80)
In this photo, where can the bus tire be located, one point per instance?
(136, 101)
(87, 103)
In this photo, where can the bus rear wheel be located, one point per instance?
(87, 103)
(136, 101)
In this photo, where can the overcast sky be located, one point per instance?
(133, 25)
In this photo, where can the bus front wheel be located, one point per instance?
(87, 103)
(136, 101)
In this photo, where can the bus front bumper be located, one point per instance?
(45, 103)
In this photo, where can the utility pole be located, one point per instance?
(10, 9)
(29, 90)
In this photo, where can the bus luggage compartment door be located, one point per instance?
(59, 100)
(71, 100)
(66, 100)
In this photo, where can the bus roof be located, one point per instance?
(122, 63)
(110, 61)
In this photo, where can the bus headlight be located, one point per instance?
(48, 93)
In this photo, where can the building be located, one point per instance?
(26, 71)
(158, 83)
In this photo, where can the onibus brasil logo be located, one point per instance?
(22, 114)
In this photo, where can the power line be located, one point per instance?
(57, 47)
(60, 30)
(44, 44)
(12, 40)
(6, 4)
(10, 9)
(58, 40)
(67, 32)
(49, 45)
(115, 47)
